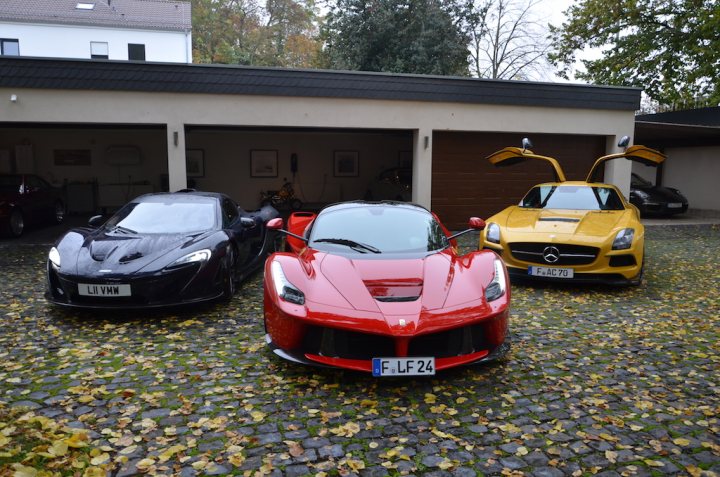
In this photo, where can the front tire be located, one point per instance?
(16, 224)
(230, 274)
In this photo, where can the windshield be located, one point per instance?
(377, 229)
(170, 217)
(572, 197)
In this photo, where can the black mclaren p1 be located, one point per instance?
(160, 249)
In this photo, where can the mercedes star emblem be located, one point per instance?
(551, 254)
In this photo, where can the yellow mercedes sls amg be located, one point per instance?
(570, 230)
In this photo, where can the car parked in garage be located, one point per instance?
(159, 250)
(656, 200)
(27, 199)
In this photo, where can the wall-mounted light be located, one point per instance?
(13, 98)
(175, 138)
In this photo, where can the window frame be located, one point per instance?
(4, 41)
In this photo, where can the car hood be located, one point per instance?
(399, 287)
(572, 222)
(109, 254)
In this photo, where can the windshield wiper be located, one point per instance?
(125, 230)
(350, 243)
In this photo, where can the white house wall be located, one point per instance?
(66, 41)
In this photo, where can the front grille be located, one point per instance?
(534, 252)
(364, 346)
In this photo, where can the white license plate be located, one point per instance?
(551, 272)
(110, 290)
(674, 205)
(403, 366)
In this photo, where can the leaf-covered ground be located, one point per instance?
(601, 380)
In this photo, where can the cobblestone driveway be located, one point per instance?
(606, 381)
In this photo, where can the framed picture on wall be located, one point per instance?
(195, 163)
(346, 164)
(263, 163)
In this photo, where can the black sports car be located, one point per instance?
(160, 250)
(656, 200)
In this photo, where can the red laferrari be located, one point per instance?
(379, 287)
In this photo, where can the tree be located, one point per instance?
(399, 36)
(670, 48)
(507, 41)
(281, 33)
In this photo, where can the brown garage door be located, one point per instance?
(464, 184)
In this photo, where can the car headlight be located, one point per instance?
(493, 233)
(498, 285)
(54, 257)
(623, 239)
(197, 256)
(641, 194)
(285, 290)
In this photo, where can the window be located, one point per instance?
(85, 6)
(9, 47)
(136, 52)
(99, 50)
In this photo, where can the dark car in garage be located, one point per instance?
(655, 200)
(27, 199)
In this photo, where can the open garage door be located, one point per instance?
(465, 184)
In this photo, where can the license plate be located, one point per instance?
(551, 272)
(674, 205)
(109, 290)
(403, 366)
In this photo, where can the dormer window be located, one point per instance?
(85, 6)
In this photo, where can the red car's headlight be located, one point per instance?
(498, 285)
(285, 290)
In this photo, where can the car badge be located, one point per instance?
(402, 322)
(551, 254)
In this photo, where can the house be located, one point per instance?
(691, 140)
(133, 127)
(138, 30)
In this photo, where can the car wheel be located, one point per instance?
(59, 212)
(230, 278)
(17, 223)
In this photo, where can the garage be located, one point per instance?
(135, 127)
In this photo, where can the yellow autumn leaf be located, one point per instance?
(373, 445)
(681, 441)
(355, 465)
(237, 459)
(4, 440)
(636, 428)
(521, 451)
(129, 449)
(445, 464)
(430, 398)
(199, 465)
(461, 400)
(694, 471)
(59, 448)
(77, 440)
(257, 415)
(611, 456)
(94, 472)
(24, 471)
(101, 459)
(145, 463)
(653, 463)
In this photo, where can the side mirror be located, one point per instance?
(624, 141)
(526, 143)
(476, 223)
(275, 224)
(247, 222)
(96, 221)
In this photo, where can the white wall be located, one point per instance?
(70, 41)
(695, 171)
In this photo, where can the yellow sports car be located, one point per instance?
(570, 230)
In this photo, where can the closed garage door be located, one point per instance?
(464, 184)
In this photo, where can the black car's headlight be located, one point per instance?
(285, 290)
(54, 257)
(498, 285)
(641, 194)
(200, 256)
(492, 233)
(623, 239)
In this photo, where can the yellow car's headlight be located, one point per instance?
(623, 239)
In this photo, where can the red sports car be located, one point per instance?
(379, 287)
